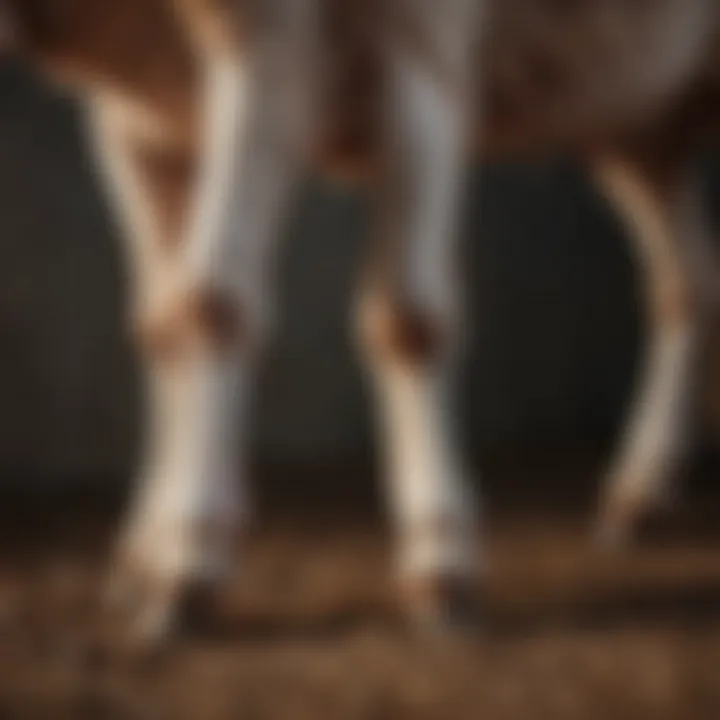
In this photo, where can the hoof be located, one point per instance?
(143, 613)
(442, 604)
(622, 514)
(627, 502)
(615, 527)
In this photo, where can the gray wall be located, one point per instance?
(554, 324)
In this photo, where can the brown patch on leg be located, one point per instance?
(166, 173)
(403, 334)
(202, 320)
(217, 319)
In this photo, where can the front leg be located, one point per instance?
(203, 322)
(409, 311)
(188, 498)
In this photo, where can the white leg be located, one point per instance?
(178, 528)
(202, 322)
(151, 204)
(409, 312)
(665, 222)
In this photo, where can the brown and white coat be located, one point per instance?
(203, 114)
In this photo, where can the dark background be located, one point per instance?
(555, 324)
(310, 625)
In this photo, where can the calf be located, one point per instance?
(203, 114)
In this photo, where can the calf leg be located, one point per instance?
(203, 318)
(662, 208)
(409, 309)
(188, 495)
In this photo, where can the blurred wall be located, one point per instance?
(554, 322)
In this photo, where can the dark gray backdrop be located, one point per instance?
(554, 332)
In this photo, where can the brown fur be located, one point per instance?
(552, 74)
(134, 48)
(539, 67)
(166, 174)
(204, 321)
(402, 334)
(546, 74)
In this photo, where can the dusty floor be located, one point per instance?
(312, 632)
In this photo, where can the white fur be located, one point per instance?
(666, 230)
(193, 472)
(431, 501)
(226, 97)
(111, 125)
(189, 474)
(193, 491)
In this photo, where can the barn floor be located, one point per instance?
(311, 631)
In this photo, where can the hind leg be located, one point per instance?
(661, 205)
(409, 313)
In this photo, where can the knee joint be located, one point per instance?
(200, 321)
(401, 333)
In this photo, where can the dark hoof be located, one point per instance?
(619, 521)
(143, 614)
(443, 604)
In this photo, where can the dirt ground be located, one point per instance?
(311, 630)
